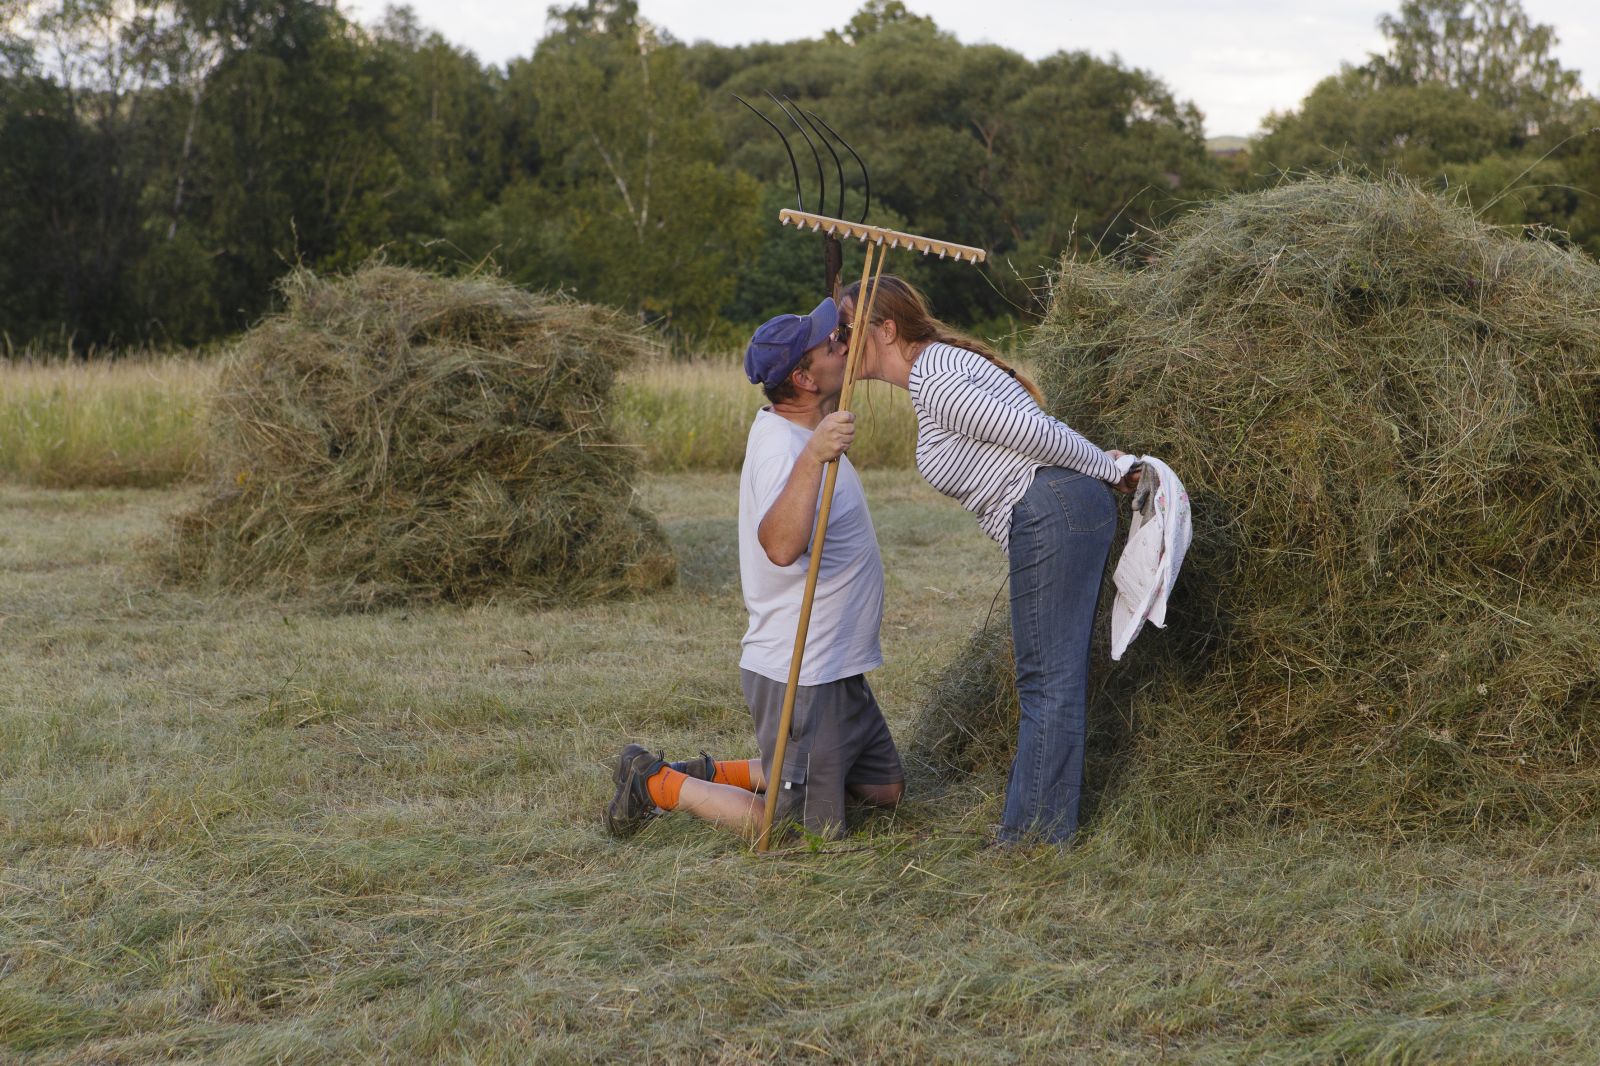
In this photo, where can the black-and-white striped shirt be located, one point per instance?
(981, 436)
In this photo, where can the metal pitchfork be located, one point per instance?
(878, 241)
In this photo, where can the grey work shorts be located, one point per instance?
(837, 738)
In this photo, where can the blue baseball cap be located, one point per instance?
(780, 343)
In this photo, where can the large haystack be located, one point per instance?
(394, 437)
(1387, 415)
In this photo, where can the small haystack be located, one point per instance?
(399, 437)
(1387, 415)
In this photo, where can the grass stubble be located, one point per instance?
(238, 833)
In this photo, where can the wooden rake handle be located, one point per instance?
(878, 240)
(824, 506)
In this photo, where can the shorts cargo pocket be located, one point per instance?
(791, 806)
(794, 770)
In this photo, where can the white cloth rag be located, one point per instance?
(1157, 540)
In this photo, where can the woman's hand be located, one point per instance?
(1130, 480)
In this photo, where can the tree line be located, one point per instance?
(165, 161)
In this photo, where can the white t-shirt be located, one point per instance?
(842, 639)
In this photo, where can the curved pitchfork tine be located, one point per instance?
(793, 167)
(822, 185)
(866, 182)
(837, 166)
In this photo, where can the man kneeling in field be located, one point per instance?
(839, 744)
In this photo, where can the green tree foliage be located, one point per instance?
(874, 16)
(450, 130)
(167, 160)
(1469, 97)
(1102, 150)
(1488, 49)
(294, 155)
(39, 139)
(1415, 129)
(976, 144)
(1583, 170)
(652, 218)
(79, 138)
(180, 155)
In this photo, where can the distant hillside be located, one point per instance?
(1227, 145)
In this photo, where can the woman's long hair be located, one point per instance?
(895, 298)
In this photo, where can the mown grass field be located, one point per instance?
(236, 831)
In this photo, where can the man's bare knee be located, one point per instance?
(879, 795)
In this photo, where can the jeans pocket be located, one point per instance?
(1085, 501)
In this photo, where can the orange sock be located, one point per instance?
(736, 773)
(665, 786)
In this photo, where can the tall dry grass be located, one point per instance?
(130, 422)
(696, 416)
(138, 422)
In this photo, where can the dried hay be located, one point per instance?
(1386, 414)
(398, 437)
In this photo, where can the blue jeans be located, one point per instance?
(1061, 533)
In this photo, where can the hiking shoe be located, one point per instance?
(631, 807)
(704, 768)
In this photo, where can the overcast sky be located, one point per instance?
(1236, 59)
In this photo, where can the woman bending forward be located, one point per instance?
(1043, 492)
